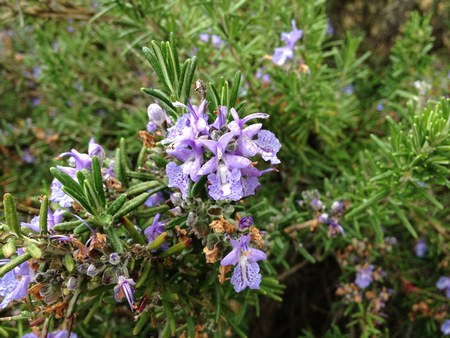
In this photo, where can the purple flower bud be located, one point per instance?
(156, 115)
(380, 106)
(114, 258)
(364, 276)
(176, 198)
(95, 149)
(323, 218)
(72, 283)
(92, 271)
(316, 204)
(246, 222)
(390, 240)
(421, 248)
(337, 207)
(27, 157)
(445, 327)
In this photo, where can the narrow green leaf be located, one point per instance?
(11, 214)
(142, 187)
(66, 180)
(366, 204)
(235, 89)
(190, 76)
(183, 81)
(176, 248)
(117, 204)
(14, 262)
(131, 229)
(80, 198)
(142, 321)
(301, 249)
(401, 214)
(131, 205)
(162, 64)
(98, 180)
(43, 215)
(174, 51)
(114, 240)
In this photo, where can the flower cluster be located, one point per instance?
(220, 150)
(282, 54)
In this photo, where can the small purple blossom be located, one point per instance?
(337, 207)
(364, 276)
(380, 106)
(246, 222)
(52, 220)
(330, 29)
(348, 89)
(282, 54)
(244, 258)
(28, 157)
(14, 284)
(157, 117)
(216, 41)
(420, 248)
(323, 218)
(316, 204)
(155, 199)
(124, 289)
(445, 327)
(261, 75)
(154, 230)
(443, 283)
(35, 101)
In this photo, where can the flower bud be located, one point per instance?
(246, 222)
(114, 258)
(323, 218)
(72, 283)
(156, 115)
(337, 207)
(316, 204)
(92, 271)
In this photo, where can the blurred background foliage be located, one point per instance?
(72, 70)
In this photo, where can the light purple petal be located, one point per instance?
(236, 162)
(443, 283)
(232, 258)
(256, 255)
(177, 178)
(270, 145)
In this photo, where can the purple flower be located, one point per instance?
(390, 240)
(244, 258)
(246, 222)
(154, 230)
(265, 78)
(443, 283)
(124, 289)
(155, 199)
(380, 106)
(445, 327)
(293, 36)
(421, 248)
(348, 90)
(52, 220)
(27, 157)
(216, 41)
(330, 29)
(335, 228)
(364, 276)
(316, 204)
(282, 54)
(14, 284)
(95, 149)
(156, 116)
(59, 196)
(323, 218)
(337, 207)
(35, 102)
